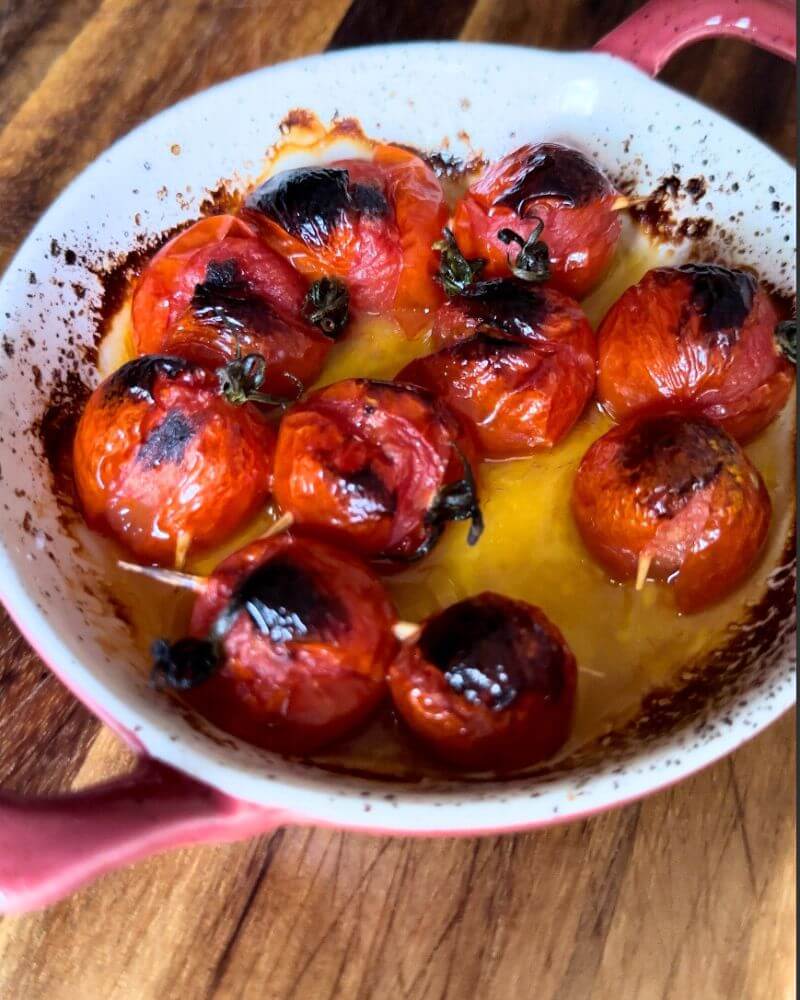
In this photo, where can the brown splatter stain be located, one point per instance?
(297, 118)
(55, 430)
(175, 149)
(696, 188)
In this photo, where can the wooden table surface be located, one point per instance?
(688, 894)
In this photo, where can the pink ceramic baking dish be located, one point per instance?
(190, 785)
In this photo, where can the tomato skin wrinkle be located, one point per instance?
(518, 365)
(679, 492)
(215, 291)
(160, 455)
(699, 337)
(552, 184)
(364, 462)
(371, 223)
(306, 643)
(489, 684)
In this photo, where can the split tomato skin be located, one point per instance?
(519, 369)
(216, 290)
(557, 185)
(362, 462)
(489, 684)
(370, 223)
(699, 337)
(162, 459)
(679, 492)
(313, 669)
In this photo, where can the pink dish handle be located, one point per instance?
(651, 37)
(51, 846)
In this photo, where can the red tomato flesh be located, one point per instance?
(557, 185)
(680, 493)
(162, 458)
(698, 337)
(488, 685)
(305, 656)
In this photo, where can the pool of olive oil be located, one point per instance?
(626, 642)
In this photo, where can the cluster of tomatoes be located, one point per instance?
(293, 639)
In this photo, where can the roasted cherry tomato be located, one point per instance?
(489, 684)
(371, 223)
(375, 465)
(698, 336)
(165, 461)
(525, 371)
(543, 190)
(676, 498)
(215, 291)
(289, 645)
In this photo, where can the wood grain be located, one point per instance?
(688, 894)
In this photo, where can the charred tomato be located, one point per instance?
(548, 190)
(378, 466)
(674, 497)
(489, 684)
(288, 647)
(699, 336)
(520, 367)
(164, 460)
(216, 290)
(370, 223)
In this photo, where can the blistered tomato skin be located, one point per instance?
(679, 493)
(164, 462)
(700, 337)
(557, 185)
(519, 369)
(305, 646)
(216, 289)
(364, 463)
(371, 223)
(488, 685)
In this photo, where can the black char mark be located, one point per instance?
(554, 171)
(285, 604)
(722, 297)
(310, 202)
(225, 301)
(505, 308)
(668, 459)
(137, 377)
(491, 650)
(167, 441)
(368, 494)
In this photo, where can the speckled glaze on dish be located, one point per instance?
(195, 783)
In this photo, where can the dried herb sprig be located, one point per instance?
(240, 382)
(456, 272)
(327, 306)
(532, 262)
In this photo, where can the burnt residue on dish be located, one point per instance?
(55, 430)
(656, 215)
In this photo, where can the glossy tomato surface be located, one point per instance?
(520, 367)
(303, 633)
(216, 290)
(701, 337)
(558, 186)
(489, 684)
(371, 223)
(679, 493)
(165, 463)
(366, 462)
